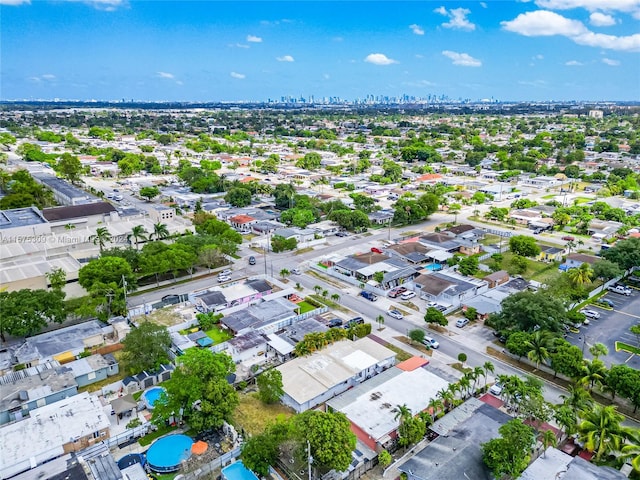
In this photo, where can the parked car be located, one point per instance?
(296, 271)
(622, 290)
(395, 314)
(568, 238)
(407, 295)
(335, 322)
(590, 313)
(342, 234)
(224, 278)
(496, 389)
(431, 342)
(606, 301)
(372, 297)
(225, 272)
(353, 322)
(394, 292)
(461, 322)
(252, 260)
(376, 250)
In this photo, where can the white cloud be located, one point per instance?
(418, 55)
(170, 76)
(542, 23)
(538, 57)
(48, 76)
(457, 18)
(254, 39)
(417, 29)
(238, 45)
(533, 83)
(285, 58)
(419, 83)
(598, 19)
(574, 63)
(483, 4)
(611, 62)
(15, 2)
(237, 75)
(379, 59)
(628, 6)
(462, 59)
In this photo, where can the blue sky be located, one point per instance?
(213, 51)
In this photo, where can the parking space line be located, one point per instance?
(625, 313)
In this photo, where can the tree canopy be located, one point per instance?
(527, 310)
(524, 245)
(26, 312)
(145, 348)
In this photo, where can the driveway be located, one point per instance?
(613, 325)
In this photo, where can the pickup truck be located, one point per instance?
(369, 296)
(620, 290)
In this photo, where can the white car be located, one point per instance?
(296, 271)
(395, 314)
(496, 389)
(431, 342)
(620, 290)
(223, 278)
(407, 295)
(590, 313)
(224, 273)
(462, 322)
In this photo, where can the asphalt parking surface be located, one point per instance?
(613, 325)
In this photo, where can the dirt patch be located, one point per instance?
(417, 346)
(163, 316)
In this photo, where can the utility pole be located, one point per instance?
(124, 287)
(309, 458)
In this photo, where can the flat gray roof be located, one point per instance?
(458, 454)
(21, 217)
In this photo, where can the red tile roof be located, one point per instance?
(239, 219)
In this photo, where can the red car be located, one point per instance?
(568, 238)
(394, 292)
(376, 250)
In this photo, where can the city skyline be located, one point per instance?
(255, 51)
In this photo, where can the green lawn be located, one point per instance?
(538, 271)
(549, 197)
(218, 335)
(150, 437)
(625, 347)
(580, 200)
(305, 307)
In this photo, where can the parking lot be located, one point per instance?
(613, 325)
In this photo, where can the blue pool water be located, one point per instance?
(433, 266)
(151, 396)
(237, 471)
(166, 453)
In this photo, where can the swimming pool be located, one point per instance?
(166, 453)
(237, 471)
(433, 267)
(151, 396)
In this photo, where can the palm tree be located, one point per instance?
(446, 396)
(464, 383)
(402, 412)
(101, 237)
(69, 226)
(631, 451)
(598, 349)
(581, 275)
(488, 367)
(549, 439)
(601, 430)
(380, 320)
(539, 344)
(593, 372)
(284, 272)
(325, 293)
(335, 297)
(577, 398)
(454, 209)
(477, 373)
(570, 245)
(317, 289)
(160, 231)
(435, 406)
(137, 233)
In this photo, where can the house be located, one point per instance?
(550, 254)
(411, 252)
(89, 215)
(266, 317)
(554, 464)
(93, 368)
(602, 229)
(456, 454)
(69, 425)
(311, 380)
(300, 234)
(448, 288)
(381, 217)
(248, 345)
(525, 216)
(242, 223)
(574, 260)
(363, 268)
(395, 386)
(63, 344)
(25, 390)
(161, 213)
(220, 298)
(144, 380)
(496, 279)
(440, 241)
